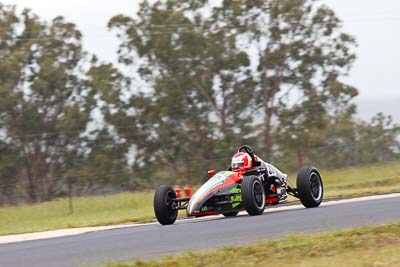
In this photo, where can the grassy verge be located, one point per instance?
(370, 179)
(137, 207)
(88, 211)
(367, 246)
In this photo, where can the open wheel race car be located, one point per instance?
(228, 192)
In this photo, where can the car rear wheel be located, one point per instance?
(164, 205)
(310, 187)
(253, 195)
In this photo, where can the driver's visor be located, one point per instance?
(237, 165)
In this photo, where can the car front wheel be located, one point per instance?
(164, 205)
(253, 195)
(309, 187)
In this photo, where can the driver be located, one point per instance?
(245, 161)
(241, 162)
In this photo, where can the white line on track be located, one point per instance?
(82, 230)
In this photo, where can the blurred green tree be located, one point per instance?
(302, 54)
(200, 93)
(378, 140)
(231, 76)
(45, 108)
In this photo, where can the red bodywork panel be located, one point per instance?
(271, 200)
(232, 179)
(212, 172)
(206, 213)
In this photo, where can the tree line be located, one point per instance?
(193, 81)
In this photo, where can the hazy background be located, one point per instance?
(374, 24)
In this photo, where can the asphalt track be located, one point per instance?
(154, 240)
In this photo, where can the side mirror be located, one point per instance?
(212, 172)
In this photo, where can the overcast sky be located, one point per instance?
(375, 24)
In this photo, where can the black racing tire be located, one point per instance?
(253, 195)
(231, 214)
(310, 187)
(164, 205)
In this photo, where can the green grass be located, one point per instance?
(137, 207)
(367, 246)
(370, 179)
(88, 211)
